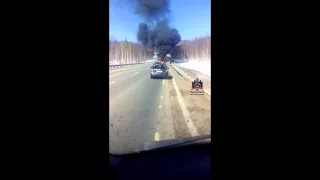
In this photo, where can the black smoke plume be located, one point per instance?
(161, 38)
(152, 10)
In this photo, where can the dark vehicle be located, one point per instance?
(159, 69)
(168, 59)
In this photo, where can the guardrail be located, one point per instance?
(179, 60)
(118, 66)
(182, 73)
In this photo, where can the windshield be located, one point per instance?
(159, 73)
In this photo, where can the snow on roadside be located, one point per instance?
(204, 67)
(113, 62)
(151, 60)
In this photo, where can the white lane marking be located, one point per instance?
(156, 136)
(160, 106)
(163, 81)
(161, 97)
(192, 129)
(137, 72)
(111, 82)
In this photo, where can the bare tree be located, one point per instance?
(197, 49)
(126, 52)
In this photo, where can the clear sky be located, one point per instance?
(192, 18)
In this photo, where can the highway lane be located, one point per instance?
(144, 109)
(139, 110)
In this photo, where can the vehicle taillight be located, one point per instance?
(166, 70)
(152, 70)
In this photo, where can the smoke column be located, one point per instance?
(160, 37)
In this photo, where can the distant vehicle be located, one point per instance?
(159, 69)
(167, 59)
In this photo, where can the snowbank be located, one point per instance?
(151, 60)
(180, 60)
(204, 67)
(114, 63)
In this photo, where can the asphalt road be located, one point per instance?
(144, 109)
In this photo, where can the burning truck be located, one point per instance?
(167, 58)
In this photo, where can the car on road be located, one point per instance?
(159, 69)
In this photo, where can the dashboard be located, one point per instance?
(186, 162)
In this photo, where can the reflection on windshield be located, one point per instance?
(153, 67)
